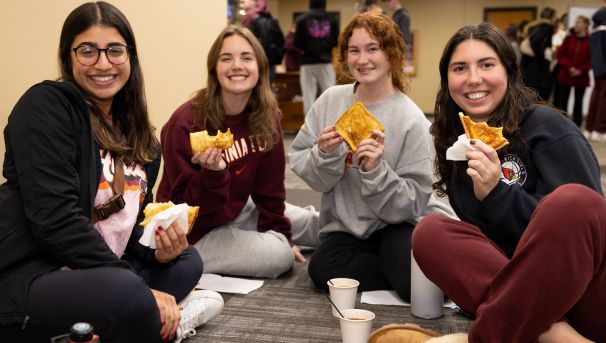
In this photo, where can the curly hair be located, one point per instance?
(389, 36)
(509, 113)
(262, 103)
(129, 107)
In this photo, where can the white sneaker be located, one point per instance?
(199, 307)
(597, 136)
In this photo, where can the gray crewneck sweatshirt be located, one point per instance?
(357, 201)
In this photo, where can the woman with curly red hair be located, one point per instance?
(371, 198)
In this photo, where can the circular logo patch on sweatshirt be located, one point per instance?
(513, 170)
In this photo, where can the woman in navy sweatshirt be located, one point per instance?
(528, 257)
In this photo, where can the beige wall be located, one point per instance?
(173, 38)
(434, 21)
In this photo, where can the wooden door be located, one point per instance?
(504, 16)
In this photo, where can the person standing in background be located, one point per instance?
(316, 35)
(557, 39)
(292, 55)
(512, 35)
(574, 62)
(596, 116)
(372, 6)
(259, 20)
(402, 18)
(535, 65)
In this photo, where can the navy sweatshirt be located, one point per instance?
(547, 151)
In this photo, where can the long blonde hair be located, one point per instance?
(262, 103)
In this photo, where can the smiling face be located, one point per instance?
(102, 80)
(477, 80)
(237, 68)
(367, 62)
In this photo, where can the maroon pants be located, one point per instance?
(557, 272)
(596, 116)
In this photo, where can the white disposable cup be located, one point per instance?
(343, 293)
(356, 330)
(426, 299)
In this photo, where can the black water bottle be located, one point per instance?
(82, 333)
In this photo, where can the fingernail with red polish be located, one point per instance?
(472, 142)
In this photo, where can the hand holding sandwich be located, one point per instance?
(484, 168)
(371, 150)
(170, 243)
(211, 159)
(329, 140)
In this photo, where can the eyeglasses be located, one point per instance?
(88, 55)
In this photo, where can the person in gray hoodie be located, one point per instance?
(371, 199)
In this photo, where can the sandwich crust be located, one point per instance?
(201, 140)
(492, 136)
(355, 124)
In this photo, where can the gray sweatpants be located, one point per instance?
(311, 76)
(238, 248)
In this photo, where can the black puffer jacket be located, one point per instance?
(53, 168)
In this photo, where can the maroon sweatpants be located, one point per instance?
(596, 116)
(557, 272)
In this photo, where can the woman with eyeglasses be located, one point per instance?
(81, 161)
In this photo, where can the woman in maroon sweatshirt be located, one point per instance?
(242, 228)
(574, 59)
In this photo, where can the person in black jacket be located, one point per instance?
(69, 234)
(402, 18)
(266, 28)
(535, 67)
(316, 35)
(528, 256)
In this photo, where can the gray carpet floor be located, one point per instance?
(290, 309)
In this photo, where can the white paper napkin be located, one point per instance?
(225, 284)
(459, 149)
(390, 298)
(176, 213)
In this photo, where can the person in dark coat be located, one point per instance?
(535, 66)
(595, 124)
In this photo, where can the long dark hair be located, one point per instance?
(129, 108)
(262, 103)
(508, 114)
